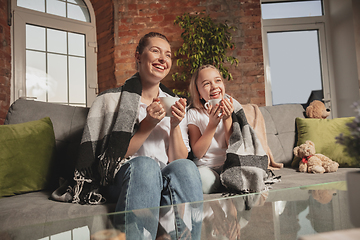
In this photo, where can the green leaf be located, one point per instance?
(205, 42)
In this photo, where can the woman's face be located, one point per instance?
(155, 60)
(210, 84)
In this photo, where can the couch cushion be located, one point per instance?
(26, 156)
(36, 208)
(280, 129)
(68, 123)
(323, 132)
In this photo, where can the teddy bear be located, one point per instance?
(317, 109)
(313, 162)
(323, 196)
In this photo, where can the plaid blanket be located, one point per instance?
(111, 123)
(246, 162)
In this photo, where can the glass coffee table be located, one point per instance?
(274, 214)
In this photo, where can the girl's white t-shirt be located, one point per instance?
(157, 144)
(215, 155)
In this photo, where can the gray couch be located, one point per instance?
(68, 122)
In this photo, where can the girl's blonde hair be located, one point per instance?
(195, 101)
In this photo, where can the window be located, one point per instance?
(295, 55)
(74, 9)
(291, 9)
(54, 52)
(294, 64)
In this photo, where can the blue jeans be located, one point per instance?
(140, 183)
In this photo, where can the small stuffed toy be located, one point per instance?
(317, 109)
(323, 196)
(311, 162)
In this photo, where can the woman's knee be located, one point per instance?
(182, 169)
(141, 168)
(144, 163)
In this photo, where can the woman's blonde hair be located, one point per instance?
(195, 101)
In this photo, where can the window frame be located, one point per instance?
(298, 24)
(23, 16)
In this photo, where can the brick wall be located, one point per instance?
(5, 61)
(104, 12)
(135, 18)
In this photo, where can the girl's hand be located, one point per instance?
(155, 112)
(178, 112)
(227, 108)
(214, 115)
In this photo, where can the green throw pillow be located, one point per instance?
(322, 132)
(26, 151)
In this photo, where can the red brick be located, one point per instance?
(3, 97)
(244, 52)
(124, 60)
(126, 20)
(253, 32)
(215, 7)
(156, 5)
(142, 20)
(130, 33)
(126, 53)
(148, 13)
(142, 6)
(157, 18)
(132, 7)
(123, 27)
(256, 86)
(170, 18)
(261, 79)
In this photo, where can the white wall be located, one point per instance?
(344, 70)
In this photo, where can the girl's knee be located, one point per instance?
(210, 180)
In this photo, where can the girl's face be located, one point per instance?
(155, 60)
(210, 84)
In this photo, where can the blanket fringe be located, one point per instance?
(80, 180)
(108, 168)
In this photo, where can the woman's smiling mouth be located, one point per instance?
(158, 66)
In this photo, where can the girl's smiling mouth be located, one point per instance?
(216, 94)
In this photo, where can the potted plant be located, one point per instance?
(205, 42)
(351, 142)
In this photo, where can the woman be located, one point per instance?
(134, 155)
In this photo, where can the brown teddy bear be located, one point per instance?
(312, 162)
(317, 109)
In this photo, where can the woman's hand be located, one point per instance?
(177, 148)
(178, 112)
(155, 112)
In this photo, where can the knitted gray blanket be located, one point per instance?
(111, 123)
(246, 162)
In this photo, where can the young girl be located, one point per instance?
(209, 129)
